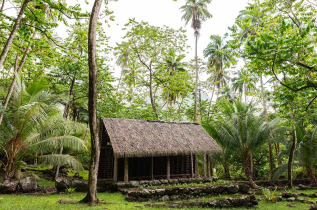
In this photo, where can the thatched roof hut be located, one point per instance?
(140, 138)
(145, 139)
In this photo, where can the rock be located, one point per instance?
(291, 205)
(173, 181)
(28, 184)
(291, 199)
(303, 187)
(288, 195)
(183, 180)
(62, 183)
(174, 197)
(207, 179)
(156, 182)
(199, 180)
(77, 176)
(148, 193)
(67, 202)
(314, 195)
(122, 185)
(313, 207)
(214, 179)
(219, 189)
(244, 188)
(164, 198)
(277, 199)
(174, 205)
(171, 191)
(9, 187)
(159, 191)
(231, 189)
(144, 183)
(79, 185)
(134, 183)
(164, 181)
(46, 189)
(192, 204)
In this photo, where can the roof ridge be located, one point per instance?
(158, 121)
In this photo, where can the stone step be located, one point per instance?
(178, 193)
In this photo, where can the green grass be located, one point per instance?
(44, 182)
(84, 173)
(109, 201)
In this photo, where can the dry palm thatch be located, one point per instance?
(139, 138)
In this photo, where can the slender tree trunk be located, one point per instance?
(91, 196)
(245, 92)
(8, 44)
(271, 161)
(2, 6)
(311, 175)
(7, 99)
(70, 93)
(212, 96)
(204, 171)
(58, 166)
(196, 85)
(251, 165)
(151, 95)
(227, 170)
(291, 156)
(279, 160)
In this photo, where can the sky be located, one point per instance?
(167, 12)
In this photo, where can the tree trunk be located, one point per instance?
(227, 170)
(311, 175)
(266, 119)
(151, 95)
(8, 44)
(70, 93)
(2, 6)
(251, 165)
(91, 196)
(58, 166)
(196, 85)
(7, 99)
(247, 170)
(204, 171)
(291, 156)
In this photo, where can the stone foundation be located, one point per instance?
(246, 201)
(178, 193)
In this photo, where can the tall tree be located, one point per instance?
(218, 56)
(16, 25)
(196, 11)
(238, 128)
(91, 196)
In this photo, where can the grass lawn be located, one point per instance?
(110, 201)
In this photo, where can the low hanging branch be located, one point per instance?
(285, 85)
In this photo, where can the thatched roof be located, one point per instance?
(139, 138)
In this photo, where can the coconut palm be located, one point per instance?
(307, 149)
(196, 11)
(239, 129)
(34, 125)
(243, 82)
(218, 58)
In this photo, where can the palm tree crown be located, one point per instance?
(195, 11)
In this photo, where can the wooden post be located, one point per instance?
(204, 165)
(152, 175)
(168, 168)
(191, 165)
(208, 166)
(115, 169)
(126, 170)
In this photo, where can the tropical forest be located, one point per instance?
(158, 104)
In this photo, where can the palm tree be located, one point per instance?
(307, 149)
(34, 125)
(218, 58)
(196, 11)
(239, 129)
(243, 82)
